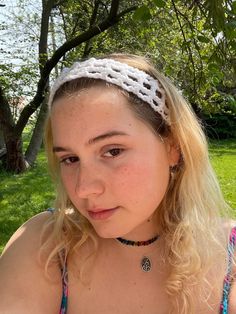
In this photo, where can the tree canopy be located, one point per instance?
(192, 42)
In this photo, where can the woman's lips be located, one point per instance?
(101, 214)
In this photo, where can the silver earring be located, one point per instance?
(174, 168)
(161, 138)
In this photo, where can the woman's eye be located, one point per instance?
(113, 152)
(69, 160)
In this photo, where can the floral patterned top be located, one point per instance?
(226, 284)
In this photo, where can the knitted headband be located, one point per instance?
(127, 77)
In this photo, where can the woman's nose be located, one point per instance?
(89, 183)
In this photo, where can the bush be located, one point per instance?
(219, 116)
(220, 126)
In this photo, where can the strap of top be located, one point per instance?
(64, 273)
(228, 277)
(64, 300)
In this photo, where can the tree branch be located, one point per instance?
(187, 45)
(60, 52)
(43, 40)
(64, 23)
(126, 11)
(193, 28)
(114, 8)
(92, 22)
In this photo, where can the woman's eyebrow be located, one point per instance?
(58, 149)
(105, 136)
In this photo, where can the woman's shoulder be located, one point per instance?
(28, 232)
(24, 283)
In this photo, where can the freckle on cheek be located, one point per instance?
(125, 170)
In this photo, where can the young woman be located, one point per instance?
(136, 226)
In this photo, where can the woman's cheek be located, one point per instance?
(130, 176)
(68, 180)
(142, 176)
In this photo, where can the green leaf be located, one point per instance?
(230, 34)
(234, 7)
(215, 58)
(231, 24)
(160, 3)
(233, 44)
(213, 67)
(203, 39)
(205, 58)
(230, 30)
(215, 80)
(142, 13)
(186, 44)
(216, 14)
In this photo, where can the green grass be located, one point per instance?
(223, 158)
(24, 195)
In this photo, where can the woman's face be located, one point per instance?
(113, 167)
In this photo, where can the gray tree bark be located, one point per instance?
(37, 136)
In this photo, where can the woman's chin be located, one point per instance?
(109, 234)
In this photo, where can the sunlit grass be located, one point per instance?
(223, 157)
(22, 196)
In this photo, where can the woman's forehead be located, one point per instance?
(93, 113)
(93, 94)
(94, 106)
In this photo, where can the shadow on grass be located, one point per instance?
(226, 147)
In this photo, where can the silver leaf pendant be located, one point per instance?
(146, 264)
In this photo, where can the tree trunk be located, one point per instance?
(14, 160)
(37, 136)
(2, 142)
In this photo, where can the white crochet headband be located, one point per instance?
(129, 78)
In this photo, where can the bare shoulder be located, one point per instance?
(24, 284)
(29, 228)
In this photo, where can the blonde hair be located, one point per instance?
(189, 214)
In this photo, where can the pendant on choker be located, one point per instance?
(146, 264)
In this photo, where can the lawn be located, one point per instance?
(223, 158)
(24, 195)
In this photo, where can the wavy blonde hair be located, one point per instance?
(189, 214)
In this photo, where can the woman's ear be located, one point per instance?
(173, 151)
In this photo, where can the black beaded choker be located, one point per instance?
(145, 263)
(137, 243)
